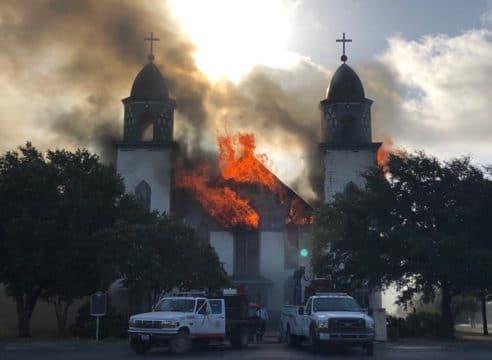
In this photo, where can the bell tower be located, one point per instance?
(144, 156)
(346, 131)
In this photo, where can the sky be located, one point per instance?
(257, 66)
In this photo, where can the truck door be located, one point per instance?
(217, 317)
(306, 318)
(210, 319)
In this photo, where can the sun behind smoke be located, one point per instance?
(234, 36)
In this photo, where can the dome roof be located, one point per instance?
(345, 86)
(149, 85)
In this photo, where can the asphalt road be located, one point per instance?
(120, 350)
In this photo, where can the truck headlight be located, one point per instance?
(323, 324)
(169, 324)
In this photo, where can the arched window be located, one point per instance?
(146, 127)
(143, 193)
(349, 130)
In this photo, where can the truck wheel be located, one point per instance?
(240, 337)
(181, 343)
(292, 340)
(139, 347)
(369, 349)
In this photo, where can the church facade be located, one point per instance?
(262, 259)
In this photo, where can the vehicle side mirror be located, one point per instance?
(301, 310)
(308, 312)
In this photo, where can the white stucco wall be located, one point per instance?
(272, 265)
(223, 243)
(343, 166)
(152, 166)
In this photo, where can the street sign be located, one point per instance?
(98, 304)
(98, 308)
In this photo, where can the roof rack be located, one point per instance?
(331, 294)
(191, 293)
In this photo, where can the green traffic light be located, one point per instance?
(304, 252)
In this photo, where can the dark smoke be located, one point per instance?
(97, 48)
(100, 47)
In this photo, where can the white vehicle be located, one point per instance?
(179, 321)
(328, 318)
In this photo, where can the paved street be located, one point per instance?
(119, 350)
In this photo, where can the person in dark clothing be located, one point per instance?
(262, 314)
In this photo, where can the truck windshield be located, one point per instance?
(335, 304)
(178, 305)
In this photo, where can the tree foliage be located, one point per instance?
(50, 207)
(424, 225)
(162, 254)
(67, 229)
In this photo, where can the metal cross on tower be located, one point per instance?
(151, 39)
(343, 41)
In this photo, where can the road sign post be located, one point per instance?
(98, 308)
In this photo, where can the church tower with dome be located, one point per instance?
(144, 156)
(346, 144)
(348, 149)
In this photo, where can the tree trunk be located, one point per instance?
(61, 311)
(483, 300)
(25, 306)
(447, 324)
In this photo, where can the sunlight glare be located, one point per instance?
(234, 36)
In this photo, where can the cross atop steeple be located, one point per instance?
(151, 39)
(343, 41)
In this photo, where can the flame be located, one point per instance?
(298, 214)
(384, 152)
(224, 204)
(238, 162)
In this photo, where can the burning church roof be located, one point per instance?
(244, 193)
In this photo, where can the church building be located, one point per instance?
(262, 257)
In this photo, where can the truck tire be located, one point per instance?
(181, 343)
(369, 349)
(292, 340)
(139, 347)
(240, 337)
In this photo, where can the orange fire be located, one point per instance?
(384, 152)
(298, 214)
(238, 162)
(222, 203)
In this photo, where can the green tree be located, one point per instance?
(412, 225)
(163, 254)
(49, 210)
(87, 200)
(28, 227)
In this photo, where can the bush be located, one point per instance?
(422, 324)
(111, 325)
(396, 327)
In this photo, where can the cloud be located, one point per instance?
(439, 93)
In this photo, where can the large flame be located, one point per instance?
(238, 162)
(224, 204)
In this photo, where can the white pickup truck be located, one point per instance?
(179, 321)
(328, 318)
